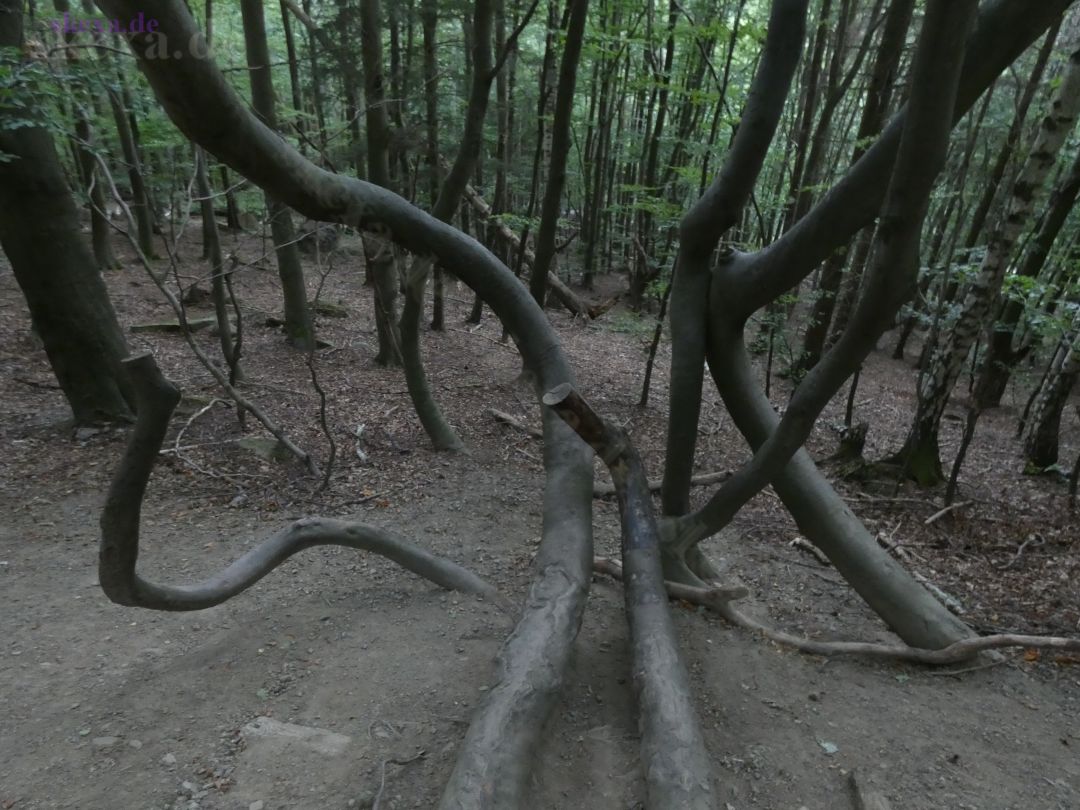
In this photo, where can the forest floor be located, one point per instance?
(339, 679)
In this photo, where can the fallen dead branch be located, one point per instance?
(514, 422)
(804, 545)
(719, 599)
(567, 297)
(1033, 540)
(155, 399)
(938, 515)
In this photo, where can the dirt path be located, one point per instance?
(340, 678)
(107, 707)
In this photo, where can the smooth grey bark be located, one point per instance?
(840, 291)
(120, 524)
(718, 210)
(299, 327)
(673, 753)
(438, 429)
(496, 756)
(1004, 29)
(878, 578)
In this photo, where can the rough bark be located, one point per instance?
(920, 454)
(1041, 442)
(1002, 354)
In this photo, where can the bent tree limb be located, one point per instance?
(890, 282)
(699, 233)
(156, 398)
(1004, 28)
(719, 598)
(497, 754)
(672, 747)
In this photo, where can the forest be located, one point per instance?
(607, 403)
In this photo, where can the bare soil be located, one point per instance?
(378, 672)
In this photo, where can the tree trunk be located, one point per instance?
(140, 207)
(1002, 354)
(429, 21)
(378, 252)
(1041, 443)
(219, 292)
(920, 454)
(838, 291)
(40, 235)
(299, 327)
(560, 149)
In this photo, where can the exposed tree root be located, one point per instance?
(719, 598)
(673, 753)
(156, 398)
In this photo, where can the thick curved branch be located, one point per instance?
(672, 747)
(892, 277)
(497, 754)
(721, 205)
(700, 230)
(1005, 28)
(720, 597)
(156, 398)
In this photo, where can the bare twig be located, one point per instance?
(703, 479)
(178, 308)
(514, 422)
(938, 515)
(802, 544)
(1033, 540)
(382, 775)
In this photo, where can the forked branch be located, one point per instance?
(673, 751)
(156, 398)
